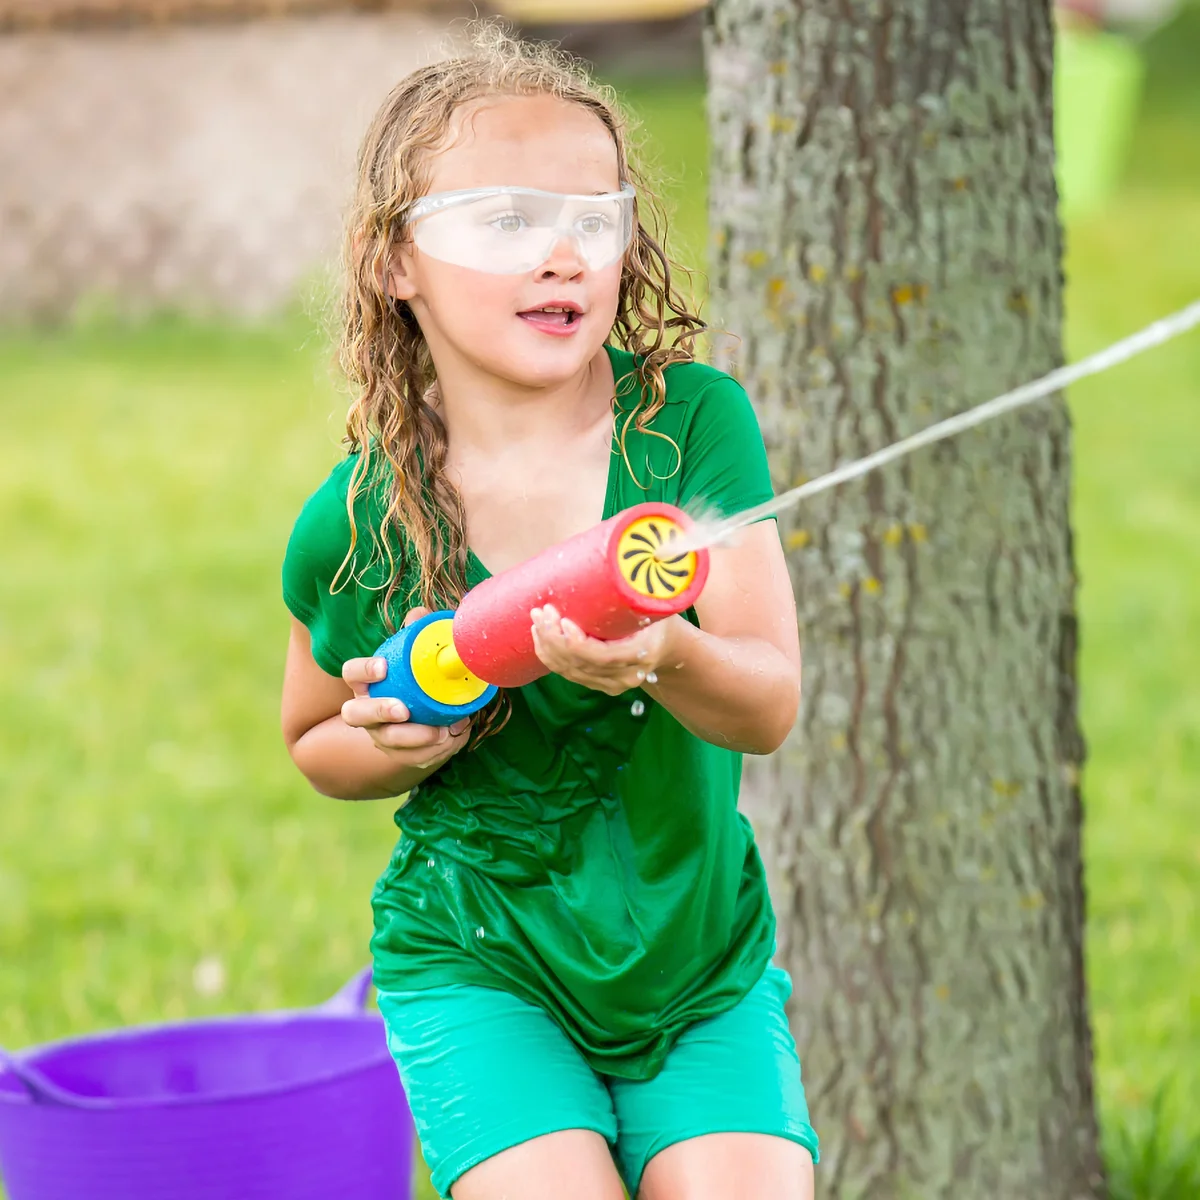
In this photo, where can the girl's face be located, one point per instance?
(498, 324)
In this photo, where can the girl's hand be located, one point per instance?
(609, 667)
(422, 747)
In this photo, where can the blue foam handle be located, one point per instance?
(400, 685)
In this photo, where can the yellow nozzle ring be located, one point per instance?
(646, 561)
(438, 669)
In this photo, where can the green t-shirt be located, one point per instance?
(589, 857)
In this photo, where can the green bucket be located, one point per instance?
(1097, 87)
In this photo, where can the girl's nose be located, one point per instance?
(564, 259)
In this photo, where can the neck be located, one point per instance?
(487, 414)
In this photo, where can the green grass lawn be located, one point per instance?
(150, 818)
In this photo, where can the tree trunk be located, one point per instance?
(886, 246)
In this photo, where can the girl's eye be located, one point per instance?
(593, 224)
(509, 222)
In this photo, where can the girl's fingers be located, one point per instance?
(415, 614)
(593, 653)
(362, 672)
(611, 667)
(411, 737)
(600, 677)
(367, 712)
(439, 742)
(593, 658)
(556, 632)
(572, 632)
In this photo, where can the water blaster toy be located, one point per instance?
(611, 580)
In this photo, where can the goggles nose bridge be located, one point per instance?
(555, 238)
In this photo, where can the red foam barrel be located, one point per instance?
(587, 578)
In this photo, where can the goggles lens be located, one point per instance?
(508, 230)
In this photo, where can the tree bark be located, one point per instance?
(885, 243)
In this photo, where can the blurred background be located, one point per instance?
(173, 173)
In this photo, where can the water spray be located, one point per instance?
(712, 533)
(641, 565)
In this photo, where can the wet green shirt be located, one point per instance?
(589, 857)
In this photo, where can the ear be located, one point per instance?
(400, 284)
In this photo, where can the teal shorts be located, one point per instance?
(484, 1071)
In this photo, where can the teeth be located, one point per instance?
(555, 310)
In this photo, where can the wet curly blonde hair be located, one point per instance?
(393, 425)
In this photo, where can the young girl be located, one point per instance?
(573, 936)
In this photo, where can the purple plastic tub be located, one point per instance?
(279, 1106)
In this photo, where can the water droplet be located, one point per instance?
(429, 862)
(644, 622)
(480, 932)
(641, 677)
(652, 677)
(637, 708)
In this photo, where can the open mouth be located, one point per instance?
(553, 318)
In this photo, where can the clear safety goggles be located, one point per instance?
(510, 230)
